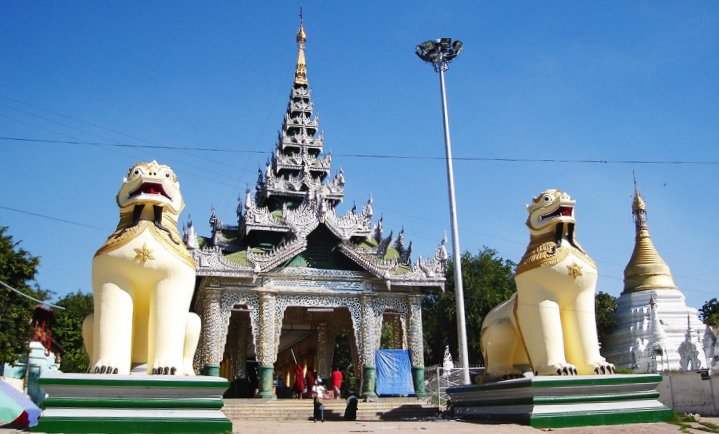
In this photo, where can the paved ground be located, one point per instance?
(439, 427)
(446, 427)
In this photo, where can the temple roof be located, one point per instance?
(290, 220)
(646, 269)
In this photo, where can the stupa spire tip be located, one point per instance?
(301, 67)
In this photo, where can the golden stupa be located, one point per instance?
(646, 269)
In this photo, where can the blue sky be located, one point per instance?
(571, 81)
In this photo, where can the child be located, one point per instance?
(319, 410)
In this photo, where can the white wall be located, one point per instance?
(686, 392)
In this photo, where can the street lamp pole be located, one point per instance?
(440, 53)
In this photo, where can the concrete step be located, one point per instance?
(238, 410)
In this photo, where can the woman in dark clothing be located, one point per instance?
(351, 409)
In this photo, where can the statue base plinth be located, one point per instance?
(102, 403)
(556, 402)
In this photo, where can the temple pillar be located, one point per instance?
(370, 333)
(416, 343)
(214, 333)
(266, 349)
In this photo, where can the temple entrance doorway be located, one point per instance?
(310, 337)
(239, 364)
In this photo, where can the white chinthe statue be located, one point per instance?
(143, 279)
(548, 326)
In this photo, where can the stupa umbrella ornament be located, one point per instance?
(440, 53)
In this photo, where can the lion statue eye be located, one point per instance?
(547, 198)
(136, 172)
(167, 175)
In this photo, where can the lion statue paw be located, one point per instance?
(603, 368)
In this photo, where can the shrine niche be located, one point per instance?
(291, 275)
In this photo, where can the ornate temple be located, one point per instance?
(293, 278)
(655, 330)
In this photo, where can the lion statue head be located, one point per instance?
(550, 208)
(151, 184)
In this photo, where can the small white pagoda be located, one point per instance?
(655, 329)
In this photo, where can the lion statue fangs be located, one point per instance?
(143, 281)
(548, 326)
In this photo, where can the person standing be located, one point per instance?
(299, 385)
(310, 380)
(319, 410)
(337, 382)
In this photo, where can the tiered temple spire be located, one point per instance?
(290, 251)
(298, 169)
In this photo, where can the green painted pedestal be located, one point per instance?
(100, 403)
(211, 370)
(369, 383)
(418, 381)
(266, 377)
(555, 402)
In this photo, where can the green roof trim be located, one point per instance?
(370, 242)
(240, 257)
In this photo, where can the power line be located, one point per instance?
(374, 156)
(129, 145)
(17, 291)
(53, 218)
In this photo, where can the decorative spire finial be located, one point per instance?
(301, 68)
(639, 208)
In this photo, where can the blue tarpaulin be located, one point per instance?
(394, 372)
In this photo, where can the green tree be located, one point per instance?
(488, 281)
(17, 269)
(709, 312)
(604, 307)
(68, 331)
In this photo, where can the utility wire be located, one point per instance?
(53, 218)
(371, 156)
(18, 292)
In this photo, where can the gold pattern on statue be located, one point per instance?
(575, 270)
(144, 254)
(541, 255)
(126, 233)
(543, 252)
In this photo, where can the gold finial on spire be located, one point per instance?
(639, 208)
(301, 67)
(638, 198)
